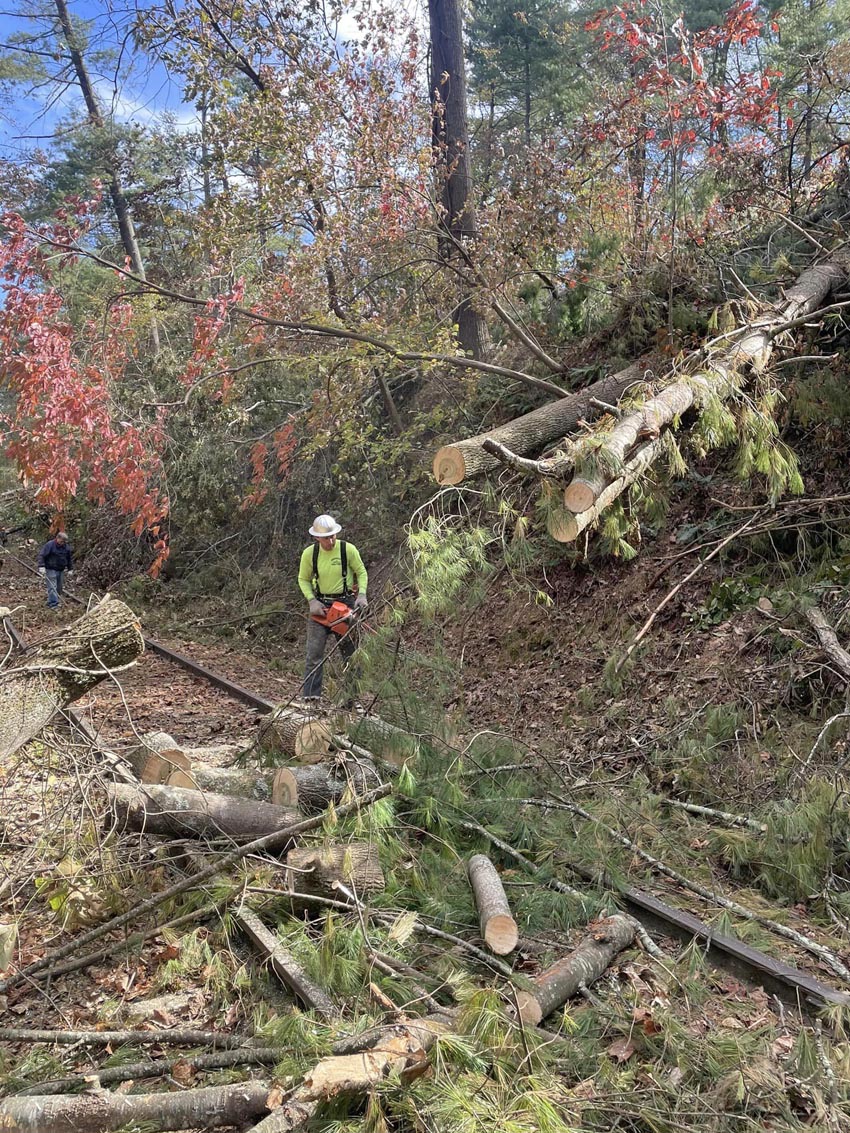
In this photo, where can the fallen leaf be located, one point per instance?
(183, 1072)
(643, 1017)
(621, 1050)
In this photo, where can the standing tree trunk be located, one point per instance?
(450, 143)
(103, 640)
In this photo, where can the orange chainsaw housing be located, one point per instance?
(337, 618)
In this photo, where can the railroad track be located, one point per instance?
(793, 986)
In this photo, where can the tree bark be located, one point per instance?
(565, 527)
(299, 737)
(241, 782)
(531, 432)
(318, 870)
(498, 927)
(157, 809)
(720, 377)
(156, 758)
(174, 1036)
(102, 1112)
(828, 639)
(284, 965)
(388, 742)
(579, 969)
(315, 787)
(450, 146)
(103, 640)
(400, 1049)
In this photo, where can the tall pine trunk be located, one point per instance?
(450, 142)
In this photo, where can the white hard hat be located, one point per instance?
(324, 526)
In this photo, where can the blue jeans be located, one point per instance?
(53, 582)
(317, 640)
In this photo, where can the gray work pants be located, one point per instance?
(317, 640)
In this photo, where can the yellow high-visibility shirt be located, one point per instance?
(330, 571)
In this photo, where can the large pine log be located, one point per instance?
(580, 968)
(313, 788)
(386, 740)
(295, 735)
(720, 376)
(106, 638)
(284, 965)
(318, 870)
(157, 757)
(498, 927)
(533, 431)
(157, 809)
(103, 1112)
(242, 782)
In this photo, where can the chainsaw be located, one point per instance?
(337, 617)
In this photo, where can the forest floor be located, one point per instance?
(724, 706)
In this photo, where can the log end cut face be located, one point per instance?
(501, 934)
(449, 465)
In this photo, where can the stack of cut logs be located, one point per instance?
(588, 471)
(187, 793)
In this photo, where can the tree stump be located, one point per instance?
(315, 787)
(106, 638)
(156, 758)
(317, 870)
(156, 809)
(303, 738)
(580, 968)
(498, 927)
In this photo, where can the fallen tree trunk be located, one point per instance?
(104, 640)
(157, 809)
(531, 432)
(156, 758)
(315, 787)
(174, 1036)
(720, 376)
(241, 782)
(319, 870)
(580, 968)
(299, 737)
(400, 1049)
(102, 1112)
(498, 927)
(284, 965)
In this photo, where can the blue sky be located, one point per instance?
(139, 91)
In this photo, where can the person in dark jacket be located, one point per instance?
(55, 560)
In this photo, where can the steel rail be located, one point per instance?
(791, 985)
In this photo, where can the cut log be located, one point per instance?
(565, 527)
(320, 869)
(284, 965)
(156, 758)
(720, 376)
(103, 1112)
(400, 1049)
(241, 782)
(580, 968)
(531, 432)
(303, 738)
(313, 788)
(104, 640)
(387, 741)
(498, 927)
(215, 753)
(157, 809)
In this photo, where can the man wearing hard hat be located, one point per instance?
(333, 579)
